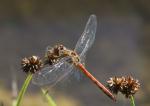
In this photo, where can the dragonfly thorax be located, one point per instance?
(53, 55)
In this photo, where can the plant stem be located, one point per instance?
(49, 99)
(14, 102)
(23, 89)
(132, 101)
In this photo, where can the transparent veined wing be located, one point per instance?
(50, 75)
(85, 42)
(88, 36)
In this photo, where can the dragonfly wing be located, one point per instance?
(78, 74)
(88, 36)
(50, 75)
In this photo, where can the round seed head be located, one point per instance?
(60, 49)
(54, 54)
(126, 85)
(31, 64)
(130, 87)
(114, 84)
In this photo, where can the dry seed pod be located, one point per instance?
(130, 86)
(54, 54)
(31, 64)
(114, 84)
(126, 85)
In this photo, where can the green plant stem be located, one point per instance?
(132, 101)
(23, 89)
(49, 99)
(14, 102)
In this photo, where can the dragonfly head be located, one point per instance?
(75, 59)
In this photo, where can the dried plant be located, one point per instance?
(31, 64)
(130, 86)
(114, 84)
(126, 85)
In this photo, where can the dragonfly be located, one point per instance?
(61, 61)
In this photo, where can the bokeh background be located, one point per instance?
(122, 46)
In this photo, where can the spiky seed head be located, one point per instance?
(126, 85)
(114, 84)
(31, 64)
(130, 86)
(59, 49)
(54, 54)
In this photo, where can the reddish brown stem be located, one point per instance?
(100, 85)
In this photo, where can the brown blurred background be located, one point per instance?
(122, 45)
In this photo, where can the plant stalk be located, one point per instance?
(132, 101)
(50, 101)
(23, 89)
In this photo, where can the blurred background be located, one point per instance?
(122, 46)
